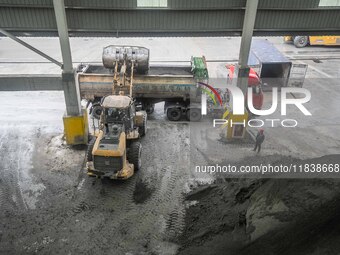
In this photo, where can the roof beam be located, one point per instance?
(181, 18)
(26, 82)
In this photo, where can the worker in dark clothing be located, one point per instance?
(259, 140)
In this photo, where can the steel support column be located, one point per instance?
(247, 34)
(71, 89)
(75, 120)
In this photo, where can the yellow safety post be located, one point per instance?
(236, 127)
(288, 39)
(76, 129)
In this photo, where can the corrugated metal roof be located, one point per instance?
(181, 18)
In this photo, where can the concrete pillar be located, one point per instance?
(71, 94)
(71, 89)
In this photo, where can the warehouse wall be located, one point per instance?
(180, 17)
(175, 4)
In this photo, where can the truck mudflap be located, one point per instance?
(297, 75)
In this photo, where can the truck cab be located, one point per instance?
(254, 82)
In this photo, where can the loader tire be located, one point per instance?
(301, 41)
(150, 109)
(134, 155)
(89, 155)
(142, 129)
(174, 114)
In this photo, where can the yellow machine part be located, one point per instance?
(110, 153)
(128, 169)
(288, 39)
(324, 40)
(318, 40)
(124, 174)
(76, 129)
(138, 119)
(235, 130)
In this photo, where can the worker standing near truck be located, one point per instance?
(259, 140)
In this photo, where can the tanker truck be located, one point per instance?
(176, 86)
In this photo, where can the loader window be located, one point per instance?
(115, 115)
(112, 112)
(132, 111)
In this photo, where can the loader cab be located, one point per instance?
(118, 110)
(254, 82)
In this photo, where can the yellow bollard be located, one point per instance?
(76, 129)
(237, 124)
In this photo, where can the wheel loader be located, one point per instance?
(115, 150)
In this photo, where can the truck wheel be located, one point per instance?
(134, 155)
(89, 155)
(142, 129)
(174, 114)
(301, 41)
(194, 115)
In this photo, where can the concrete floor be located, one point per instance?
(316, 135)
(321, 79)
(44, 186)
